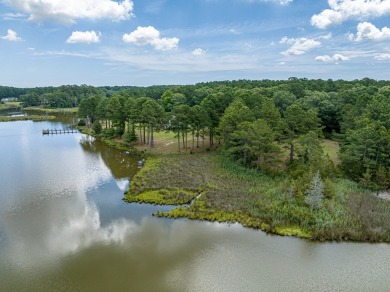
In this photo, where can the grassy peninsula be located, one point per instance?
(26, 118)
(40, 109)
(309, 158)
(222, 191)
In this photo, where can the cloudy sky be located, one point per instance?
(151, 42)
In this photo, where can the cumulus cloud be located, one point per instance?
(150, 36)
(198, 52)
(334, 58)
(11, 36)
(69, 11)
(342, 10)
(382, 57)
(366, 30)
(87, 37)
(299, 46)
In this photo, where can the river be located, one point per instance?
(64, 227)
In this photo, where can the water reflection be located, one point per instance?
(121, 163)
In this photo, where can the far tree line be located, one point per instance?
(257, 123)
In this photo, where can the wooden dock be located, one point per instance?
(59, 132)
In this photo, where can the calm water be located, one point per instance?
(64, 227)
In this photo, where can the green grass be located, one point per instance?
(332, 148)
(52, 110)
(165, 142)
(163, 197)
(26, 118)
(9, 105)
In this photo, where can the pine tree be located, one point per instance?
(315, 193)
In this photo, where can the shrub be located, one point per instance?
(97, 127)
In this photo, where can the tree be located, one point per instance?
(87, 108)
(236, 113)
(252, 139)
(315, 193)
(283, 99)
(131, 113)
(179, 122)
(154, 113)
(115, 108)
(298, 122)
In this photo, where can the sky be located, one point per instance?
(166, 42)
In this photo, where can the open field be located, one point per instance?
(166, 142)
(332, 148)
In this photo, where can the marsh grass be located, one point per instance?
(52, 110)
(231, 193)
(26, 118)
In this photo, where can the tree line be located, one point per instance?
(259, 123)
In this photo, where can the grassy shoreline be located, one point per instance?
(208, 186)
(34, 118)
(51, 110)
(230, 193)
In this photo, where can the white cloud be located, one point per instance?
(326, 37)
(382, 57)
(342, 10)
(366, 30)
(69, 11)
(299, 46)
(13, 16)
(324, 58)
(84, 37)
(350, 36)
(11, 36)
(198, 52)
(150, 36)
(335, 57)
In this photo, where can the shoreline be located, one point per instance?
(33, 118)
(269, 209)
(145, 189)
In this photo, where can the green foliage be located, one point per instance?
(297, 113)
(129, 137)
(97, 127)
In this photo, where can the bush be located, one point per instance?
(108, 133)
(81, 123)
(97, 127)
(129, 137)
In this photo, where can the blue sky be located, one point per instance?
(151, 42)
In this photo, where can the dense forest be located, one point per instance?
(259, 121)
(272, 125)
